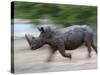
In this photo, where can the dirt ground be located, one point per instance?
(28, 61)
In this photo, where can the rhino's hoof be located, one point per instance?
(69, 56)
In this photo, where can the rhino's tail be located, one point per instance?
(28, 38)
(94, 47)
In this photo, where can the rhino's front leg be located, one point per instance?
(61, 49)
(52, 52)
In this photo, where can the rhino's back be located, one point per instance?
(67, 29)
(74, 36)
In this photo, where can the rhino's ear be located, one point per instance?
(41, 29)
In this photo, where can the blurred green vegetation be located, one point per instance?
(56, 13)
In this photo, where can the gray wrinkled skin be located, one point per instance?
(68, 38)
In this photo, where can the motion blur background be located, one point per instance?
(29, 14)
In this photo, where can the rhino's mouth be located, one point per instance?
(32, 48)
(35, 48)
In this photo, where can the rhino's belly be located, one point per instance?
(73, 41)
(73, 46)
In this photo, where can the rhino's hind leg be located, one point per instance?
(88, 45)
(94, 47)
(88, 39)
(89, 51)
(29, 39)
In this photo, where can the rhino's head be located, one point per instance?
(37, 42)
(34, 42)
(45, 34)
